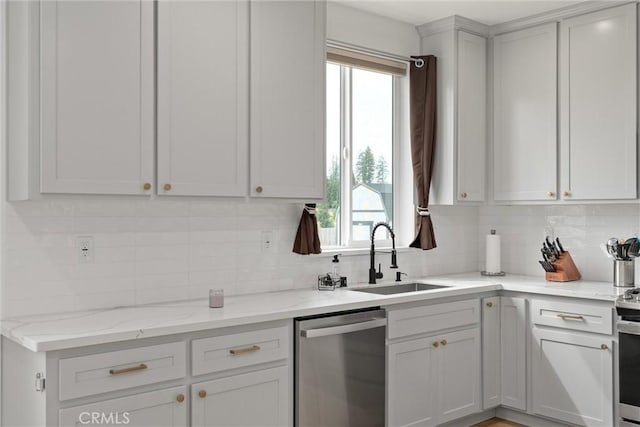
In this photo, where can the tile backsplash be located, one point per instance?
(581, 229)
(148, 251)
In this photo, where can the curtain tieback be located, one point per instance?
(422, 211)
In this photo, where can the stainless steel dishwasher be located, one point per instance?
(340, 369)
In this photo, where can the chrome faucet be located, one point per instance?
(373, 274)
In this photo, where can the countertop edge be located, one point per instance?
(458, 285)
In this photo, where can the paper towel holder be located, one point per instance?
(492, 274)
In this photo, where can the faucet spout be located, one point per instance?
(373, 275)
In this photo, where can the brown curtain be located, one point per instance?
(423, 138)
(307, 240)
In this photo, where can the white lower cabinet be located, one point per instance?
(513, 356)
(411, 383)
(252, 399)
(436, 378)
(573, 377)
(458, 374)
(491, 394)
(504, 331)
(163, 408)
(236, 376)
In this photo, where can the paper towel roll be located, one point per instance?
(493, 253)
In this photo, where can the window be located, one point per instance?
(360, 155)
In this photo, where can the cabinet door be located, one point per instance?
(598, 104)
(258, 398)
(513, 333)
(458, 375)
(524, 114)
(472, 118)
(97, 97)
(573, 377)
(287, 99)
(203, 82)
(163, 408)
(491, 396)
(411, 383)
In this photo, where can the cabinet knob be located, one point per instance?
(566, 194)
(259, 189)
(167, 187)
(551, 194)
(489, 304)
(180, 398)
(443, 342)
(436, 344)
(202, 394)
(604, 346)
(147, 186)
(464, 195)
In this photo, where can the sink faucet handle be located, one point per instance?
(379, 274)
(399, 275)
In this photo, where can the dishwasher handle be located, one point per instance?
(343, 329)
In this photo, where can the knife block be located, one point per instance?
(566, 270)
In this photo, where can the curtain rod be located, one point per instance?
(333, 43)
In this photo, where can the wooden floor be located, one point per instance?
(498, 422)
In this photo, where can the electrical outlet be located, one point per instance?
(267, 240)
(85, 249)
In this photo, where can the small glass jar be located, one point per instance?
(216, 298)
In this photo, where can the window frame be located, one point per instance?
(345, 240)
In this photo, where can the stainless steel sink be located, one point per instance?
(401, 288)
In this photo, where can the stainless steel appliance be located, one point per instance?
(628, 308)
(340, 369)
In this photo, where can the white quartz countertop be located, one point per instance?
(68, 330)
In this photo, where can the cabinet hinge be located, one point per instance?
(40, 380)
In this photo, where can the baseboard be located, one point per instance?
(526, 419)
(471, 419)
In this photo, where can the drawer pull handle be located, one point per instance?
(140, 367)
(436, 344)
(489, 304)
(251, 349)
(202, 394)
(570, 317)
(604, 346)
(443, 342)
(180, 398)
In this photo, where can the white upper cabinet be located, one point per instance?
(203, 97)
(459, 159)
(472, 119)
(524, 114)
(96, 97)
(287, 87)
(598, 100)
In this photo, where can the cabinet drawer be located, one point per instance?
(238, 350)
(158, 408)
(570, 315)
(117, 370)
(419, 320)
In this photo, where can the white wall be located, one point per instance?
(365, 29)
(155, 251)
(149, 251)
(581, 229)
